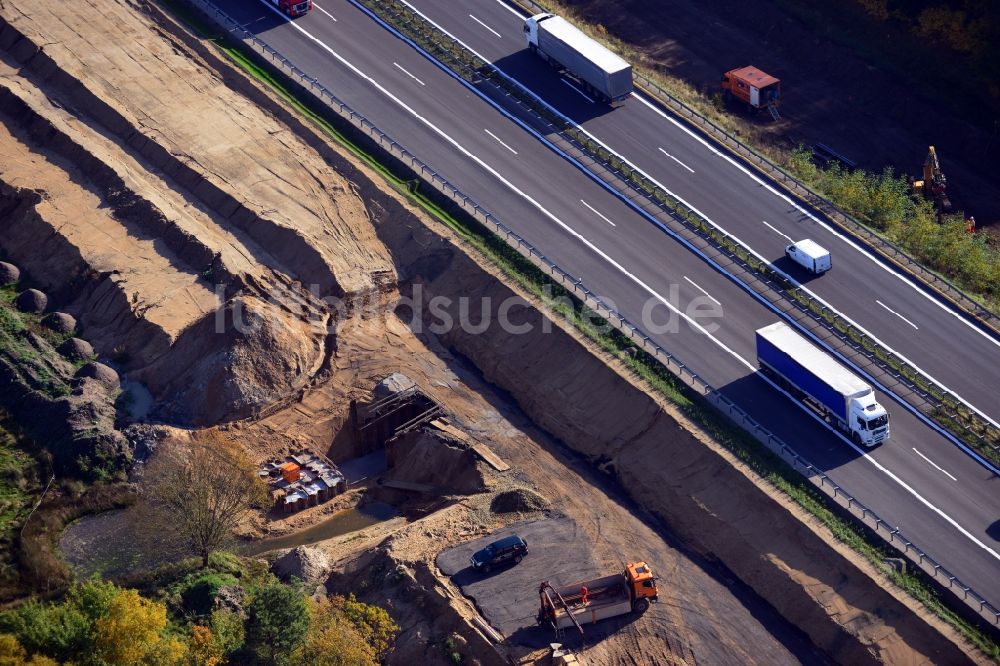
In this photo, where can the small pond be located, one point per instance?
(342, 522)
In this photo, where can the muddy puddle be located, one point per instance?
(342, 522)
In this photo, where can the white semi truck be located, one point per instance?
(601, 73)
(814, 376)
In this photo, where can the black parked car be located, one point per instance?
(509, 549)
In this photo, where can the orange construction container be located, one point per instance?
(290, 472)
(751, 85)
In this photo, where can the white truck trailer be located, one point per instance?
(603, 74)
(814, 376)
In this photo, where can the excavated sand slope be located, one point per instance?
(188, 194)
(154, 95)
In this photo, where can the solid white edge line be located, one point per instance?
(486, 26)
(705, 143)
(576, 90)
(325, 12)
(848, 240)
(695, 285)
(897, 314)
(760, 299)
(676, 160)
(940, 469)
(598, 213)
(777, 231)
(511, 9)
(400, 67)
(864, 454)
(500, 141)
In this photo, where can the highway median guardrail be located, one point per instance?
(642, 343)
(900, 377)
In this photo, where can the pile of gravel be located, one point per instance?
(9, 273)
(31, 300)
(519, 500)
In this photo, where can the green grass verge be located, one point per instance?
(24, 357)
(19, 489)
(614, 343)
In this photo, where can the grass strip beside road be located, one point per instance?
(565, 304)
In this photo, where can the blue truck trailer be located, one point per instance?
(815, 377)
(601, 72)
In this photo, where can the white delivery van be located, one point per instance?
(809, 255)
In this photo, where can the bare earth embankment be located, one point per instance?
(175, 197)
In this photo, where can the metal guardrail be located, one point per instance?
(930, 399)
(846, 221)
(828, 486)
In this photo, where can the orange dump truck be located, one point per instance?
(748, 84)
(591, 601)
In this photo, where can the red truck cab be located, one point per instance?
(293, 7)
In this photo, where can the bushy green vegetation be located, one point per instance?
(101, 624)
(884, 202)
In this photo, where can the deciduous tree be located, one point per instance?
(195, 495)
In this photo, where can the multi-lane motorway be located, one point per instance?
(920, 481)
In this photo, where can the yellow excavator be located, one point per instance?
(934, 185)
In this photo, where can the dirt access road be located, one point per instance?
(831, 93)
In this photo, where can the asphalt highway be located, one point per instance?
(919, 481)
(903, 316)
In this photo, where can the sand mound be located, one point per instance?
(31, 300)
(60, 322)
(232, 364)
(428, 457)
(102, 373)
(76, 349)
(9, 273)
(308, 564)
(519, 500)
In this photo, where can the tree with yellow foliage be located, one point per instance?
(13, 654)
(205, 650)
(374, 624)
(332, 639)
(132, 633)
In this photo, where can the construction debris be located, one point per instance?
(302, 480)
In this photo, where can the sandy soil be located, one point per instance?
(249, 196)
(830, 93)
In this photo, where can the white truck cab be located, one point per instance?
(531, 29)
(810, 255)
(869, 421)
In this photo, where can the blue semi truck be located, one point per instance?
(812, 375)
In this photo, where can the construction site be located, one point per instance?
(151, 188)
